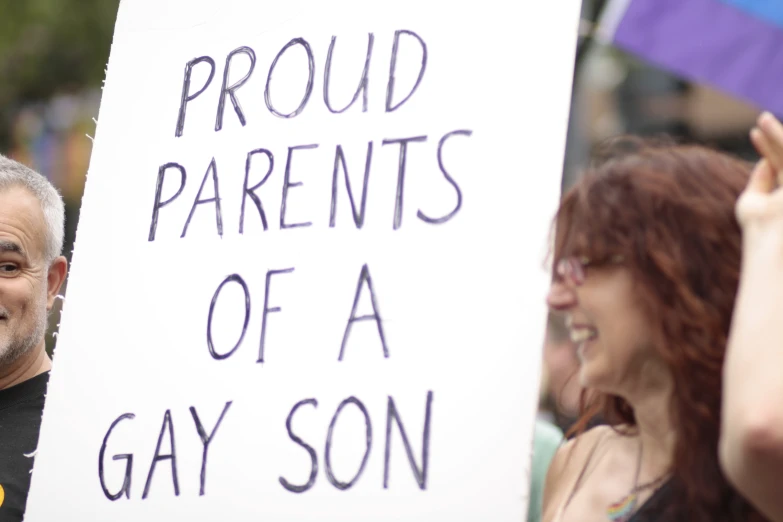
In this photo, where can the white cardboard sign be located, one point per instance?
(308, 281)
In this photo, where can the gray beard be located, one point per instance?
(17, 347)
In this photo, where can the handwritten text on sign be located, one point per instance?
(307, 282)
(208, 197)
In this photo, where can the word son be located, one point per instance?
(392, 416)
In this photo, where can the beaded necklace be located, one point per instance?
(623, 509)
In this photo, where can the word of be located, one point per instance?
(364, 279)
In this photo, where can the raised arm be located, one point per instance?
(751, 446)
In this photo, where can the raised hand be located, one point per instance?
(761, 204)
(751, 446)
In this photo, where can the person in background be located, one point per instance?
(561, 387)
(647, 250)
(559, 406)
(547, 438)
(31, 274)
(751, 443)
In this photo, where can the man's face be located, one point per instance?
(23, 274)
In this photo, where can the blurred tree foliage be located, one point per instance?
(49, 46)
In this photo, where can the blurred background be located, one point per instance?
(53, 55)
(52, 59)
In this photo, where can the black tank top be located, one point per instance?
(657, 508)
(654, 510)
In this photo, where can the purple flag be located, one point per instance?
(720, 43)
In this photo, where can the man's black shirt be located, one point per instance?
(21, 407)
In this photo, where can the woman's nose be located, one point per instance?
(561, 296)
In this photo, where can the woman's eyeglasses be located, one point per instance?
(573, 269)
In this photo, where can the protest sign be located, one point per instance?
(308, 280)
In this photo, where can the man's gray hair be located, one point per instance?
(14, 174)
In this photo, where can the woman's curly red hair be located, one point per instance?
(669, 211)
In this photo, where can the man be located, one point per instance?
(31, 274)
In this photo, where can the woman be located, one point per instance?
(648, 251)
(751, 446)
